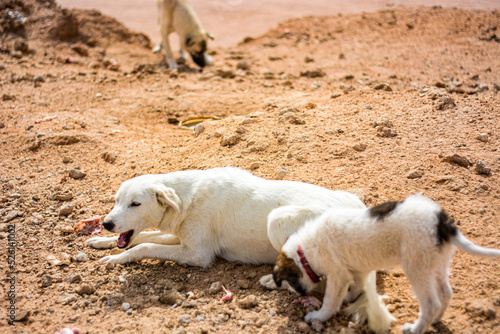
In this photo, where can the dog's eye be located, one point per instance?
(135, 204)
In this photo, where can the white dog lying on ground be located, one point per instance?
(345, 244)
(221, 212)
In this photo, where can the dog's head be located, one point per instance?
(286, 269)
(141, 204)
(196, 45)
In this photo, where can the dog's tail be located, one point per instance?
(370, 308)
(468, 246)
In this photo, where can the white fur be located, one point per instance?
(219, 212)
(178, 16)
(346, 244)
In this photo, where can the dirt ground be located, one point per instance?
(382, 104)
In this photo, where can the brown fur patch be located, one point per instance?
(285, 269)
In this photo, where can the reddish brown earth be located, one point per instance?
(383, 104)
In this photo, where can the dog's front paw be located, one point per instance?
(268, 282)
(102, 242)
(408, 328)
(114, 259)
(316, 315)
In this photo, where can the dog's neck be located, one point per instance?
(302, 258)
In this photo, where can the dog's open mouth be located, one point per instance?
(124, 238)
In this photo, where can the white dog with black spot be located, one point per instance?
(345, 245)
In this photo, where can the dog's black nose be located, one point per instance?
(199, 59)
(108, 225)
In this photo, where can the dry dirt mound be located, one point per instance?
(47, 25)
(382, 104)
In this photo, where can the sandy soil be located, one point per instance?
(383, 104)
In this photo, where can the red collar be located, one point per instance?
(314, 277)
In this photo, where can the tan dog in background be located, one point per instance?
(179, 16)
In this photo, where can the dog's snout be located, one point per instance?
(109, 225)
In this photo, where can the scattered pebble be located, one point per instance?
(414, 174)
(66, 209)
(303, 327)
(359, 147)
(384, 87)
(76, 173)
(125, 307)
(185, 319)
(481, 168)
(215, 288)
(483, 137)
(85, 289)
(248, 302)
(82, 257)
(46, 281)
(458, 159)
(317, 326)
(230, 140)
(22, 316)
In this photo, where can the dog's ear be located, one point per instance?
(209, 35)
(189, 41)
(167, 197)
(286, 270)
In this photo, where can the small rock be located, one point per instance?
(189, 303)
(22, 316)
(67, 160)
(281, 173)
(125, 307)
(303, 327)
(445, 103)
(347, 330)
(230, 140)
(359, 147)
(483, 137)
(109, 157)
(85, 289)
(10, 216)
(76, 173)
(308, 59)
(383, 131)
(335, 95)
(216, 287)
(65, 196)
(82, 257)
(317, 326)
(198, 129)
(46, 281)
(384, 87)
(414, 174)
(254, 165)
(170, 297)
(8, 97)
(243, 283)
(75, 278)
(481, 168)
(68, 299)
(313, 74)
(39, 78)
(66, 209)
(458, 159)
(248, 302)
(480, 308)
(81, 50)
(184, 319)
(243, 65)
(226, 73)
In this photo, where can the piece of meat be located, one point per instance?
(89, 226)
(46, 119)
(308, 301)
(228, 296)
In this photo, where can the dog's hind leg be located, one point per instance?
(426, 291)
(444, 290)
